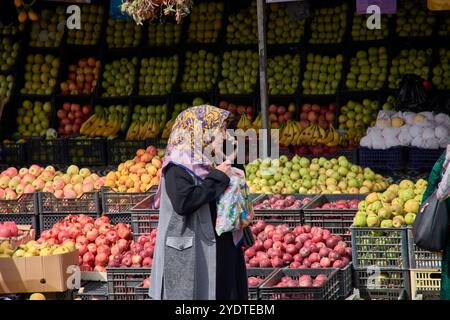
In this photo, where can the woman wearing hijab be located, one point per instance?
(439, 179)
(191, 261)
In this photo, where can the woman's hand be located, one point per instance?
(225, 167)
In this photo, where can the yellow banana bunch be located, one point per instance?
(333, 138)
(244, 123)
(257, 124)
(168, 128)
(290, 133)
(133, 131)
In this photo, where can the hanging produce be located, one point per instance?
(25, 10)
(141, 10)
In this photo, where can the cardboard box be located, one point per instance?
(36, 274)
(27, 233)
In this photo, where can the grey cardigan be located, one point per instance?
(184, 264)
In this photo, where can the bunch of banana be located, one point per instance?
(102, 125)
(244, 122)
(290, 133)
(257, 124)
(141, 130)
(333, 137)
(168, 128)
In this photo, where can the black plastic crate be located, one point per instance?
(122, 150)
(46, 152)
(21, 218)
(27, 203)
(379, 283)
(423, 158)
(121, 202)
(389, 159)
(14, 153)
(292, 217)
(143, 223)
(46, 221)
(420, 258)
(119, 217)
(335, 220)
(88, 152)
(142, 292)
(380, 247)
(88, 203)
(122, 282)
(328, 291)
(261, 273)
(93, 290)
(345, 281)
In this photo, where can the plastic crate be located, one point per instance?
(393, 294)
(122, 282)
(328, 291)
(119, 217)
(389, 159)
(120, 202)
(93, 290)
(425, 284)
(22, 211)
(89, 152)
(292, 217)
(27, 203)
(423, 158)
(420, 258)
(14, 153)
(143, 223)
(335, 220)
(46, 152)
(379, 283)
(46, 221)
(122, 150)
(384, 248)
(261, 273)
(88, 203)
(21, 218)
(142, 293)
(345, 281)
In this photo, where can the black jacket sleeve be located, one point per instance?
(185, 196)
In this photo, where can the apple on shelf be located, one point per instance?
(279, 114)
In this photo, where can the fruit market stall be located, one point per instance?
(86, 113)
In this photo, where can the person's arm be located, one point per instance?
(185, 196)
(435, 177)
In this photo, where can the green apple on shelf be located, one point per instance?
(205, 22)
(323, 74)
(239, 72)
(282, 28)
(48, 30)
(118, 77)
(242, 27)
(409, 61)
(200, 71)
(33, 118)
(158, 75)
(368, 69)
(91, 26)
(164, 34)
(123, 33)
(41, 72)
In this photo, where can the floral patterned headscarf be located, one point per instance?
(193, 131)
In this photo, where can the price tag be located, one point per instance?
(386, 6)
